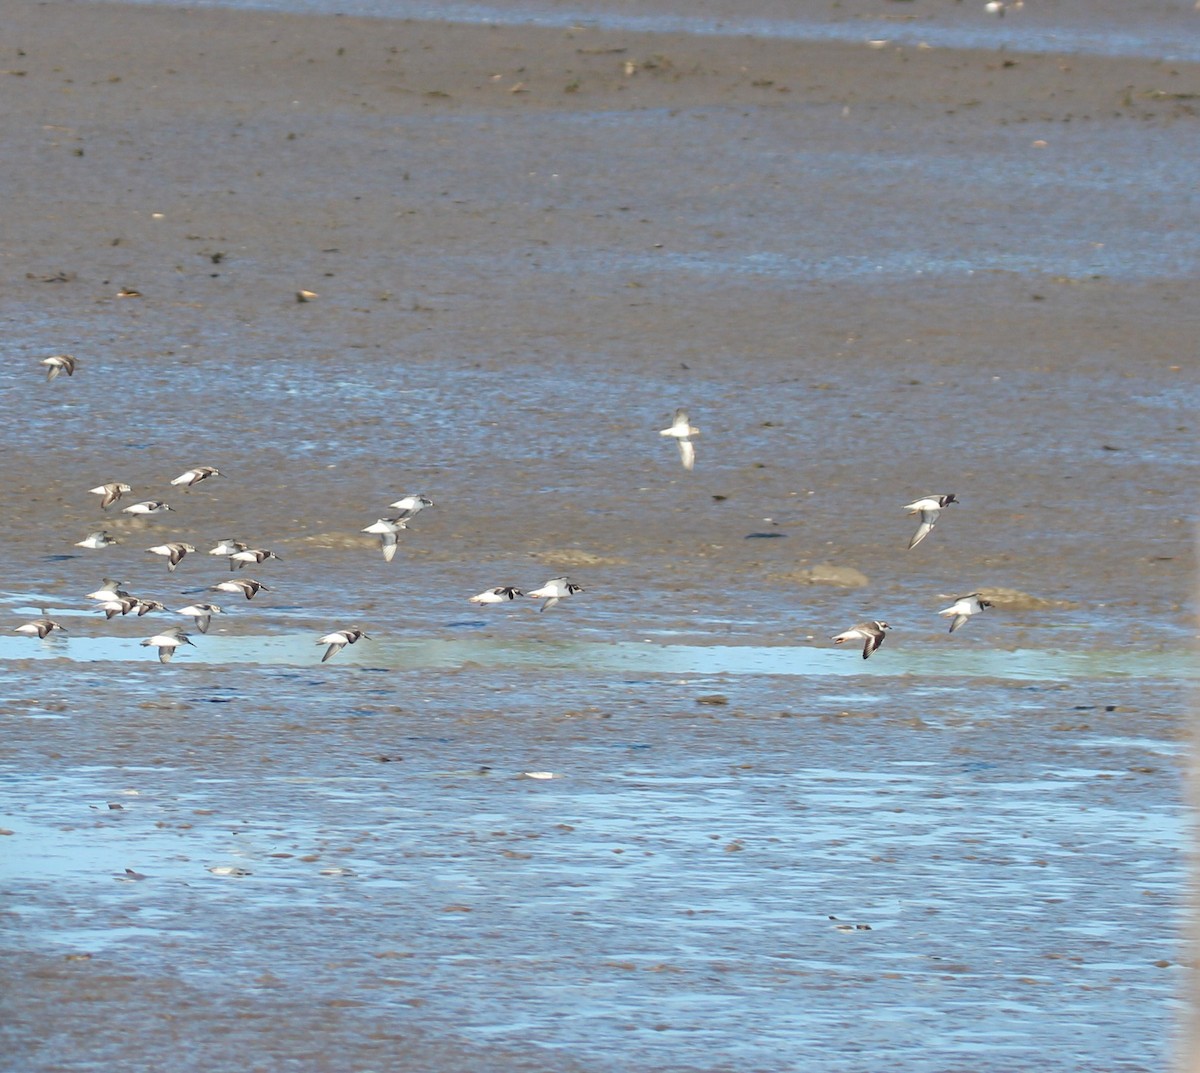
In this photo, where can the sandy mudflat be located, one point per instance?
(869, 273)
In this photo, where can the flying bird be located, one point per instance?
(963, 608)
(558, 588)
(167, 641)
(250, 555)
(195, 475)
(241, 586)
(57, 364)
(338, 640)
(388, 530)
(109, 590)
(111, 493)
(202, 613)
(930, 509)
(98, 539)
(682, 431)
(148, 506)
(411, 505)
(870, 633)
(174, 552)
(497, 596)
(39, 627)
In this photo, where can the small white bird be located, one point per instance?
(148, 506)
(930, 509)
(227, 546)
(111, 493)
(558, 588)
(870, 633)
(144, 607)
(58, 363)
(109, 590)
(963, 608)
(240, 586)
(39, 627)
(338, 640)
(388, 530)
(174, 552)
(682, 432)
(497, 596)
(98, 539)
(202, 613)
(195, 475)
(411, 505)
(119, 605)
(167, 641)
(250, 555)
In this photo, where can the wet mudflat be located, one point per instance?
(665, 824)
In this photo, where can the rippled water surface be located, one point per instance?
(665, 825)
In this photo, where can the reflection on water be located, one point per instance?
(629, 657)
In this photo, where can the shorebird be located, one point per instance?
(109, 590)
(240, 586)
(175, 551)
(195, 475)
(202, 613)
(98, 539)
(119, 605)
(963, 608)
(144, 607)
(870, 633)
(147, 506)
(388, 530)
(250, 555)
(111, 493)
(411, 505)
(558, 588)
(338, 640)
(167, 641)
(58, 363)
(39, 628)
(930, 509)
(227, 546)
(497, 596)
(682, 432)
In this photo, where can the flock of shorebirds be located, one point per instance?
(114, 600)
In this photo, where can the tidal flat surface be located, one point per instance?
(666, 824)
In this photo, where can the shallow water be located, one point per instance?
(665, 825)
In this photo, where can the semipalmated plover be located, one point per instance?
(870, 633)
(963, 608)
(243, 586)
(39, 628)
(174, 552)
(195, 475)
(98, 539)
(202, 613)
(497, 596)
(167, 641)
(682, 432)
(251, 555)
(111, 493)
(557, 588)
(147, 506)
(930, 509)
(58, 363)
(338, 640)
